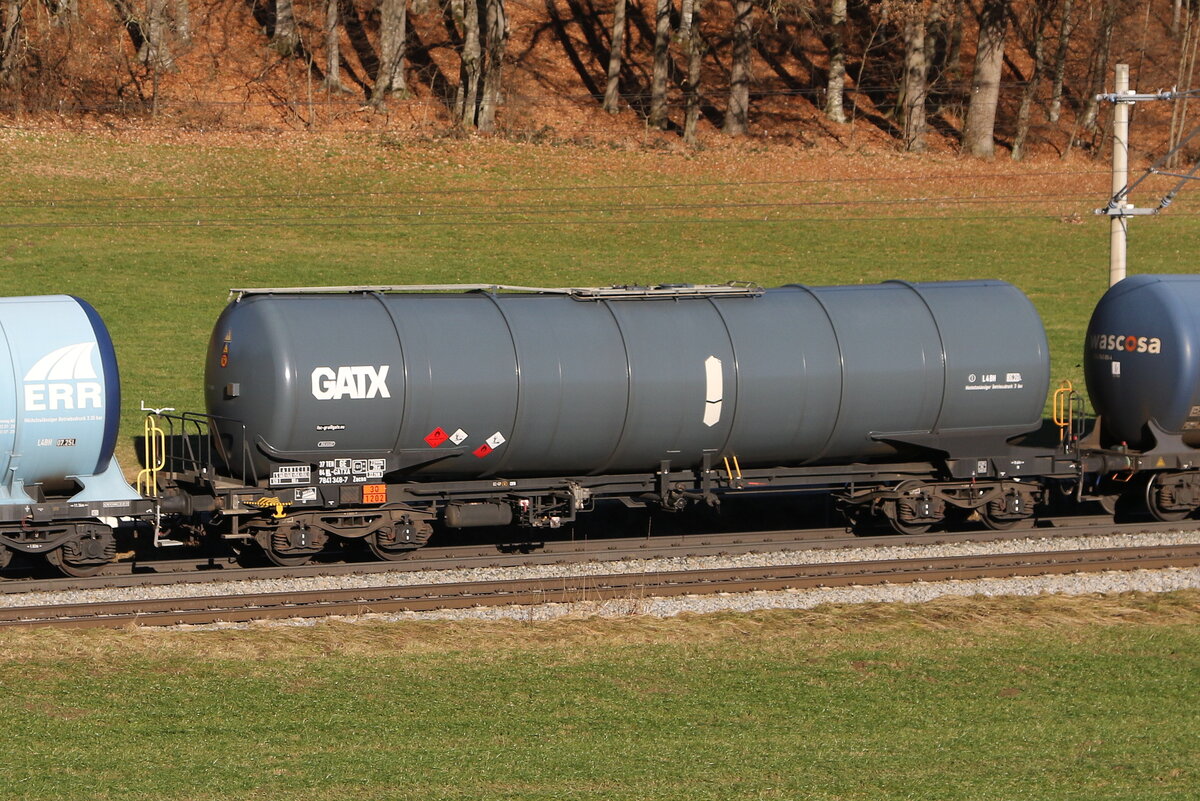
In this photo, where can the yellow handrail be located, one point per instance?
(156, 458)
(1064, 410)
(736, 471)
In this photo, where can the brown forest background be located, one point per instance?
(992, 78)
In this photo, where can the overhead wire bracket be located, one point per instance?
(1117, 205)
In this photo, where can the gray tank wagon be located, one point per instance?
(471, 385)
(371, 412)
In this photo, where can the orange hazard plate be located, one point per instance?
(374, 493)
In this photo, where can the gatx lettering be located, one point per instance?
(1129, 344)
(357, 382)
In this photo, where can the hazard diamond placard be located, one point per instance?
(436, 437)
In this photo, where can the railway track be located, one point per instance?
(194, 570)
(559, 589)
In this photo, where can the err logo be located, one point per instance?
(64, 379)
(1129, 344)
(357, 382)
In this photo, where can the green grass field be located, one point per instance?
(1046, 699)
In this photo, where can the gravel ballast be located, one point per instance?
(1076, 584)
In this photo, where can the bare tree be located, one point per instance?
(1098, 70)
(916, 75)
(285, 37)
(689, 31)
(1040, 12)
(470, 63)
(10, 41)
(738, 111)
(950, 29)
(157, 51)
(181, 20)
(496, 36)
(1065, 26)
(836, 85)
(658, 80)
(1183, 80)
(484, 31)
(612, 95)
(393, 33)
(333, 54)
(979, 130)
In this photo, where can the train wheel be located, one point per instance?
(996, 517)
(78, 571)
(1003, 523)
(89, 551)
(1157, 498)
(388, 551)
(1108, 503)
(900, 527)
(286, 560)
(290, 546)
(401, 539)
(73, 569)
(909, 509)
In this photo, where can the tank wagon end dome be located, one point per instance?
(59, 400)
(111, 374)
(1142, 359)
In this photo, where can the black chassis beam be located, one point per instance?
(69, 511)
(694, 483)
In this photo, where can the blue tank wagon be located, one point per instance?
(61, 490)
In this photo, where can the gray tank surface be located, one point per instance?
(346, 386)
(1142, 359)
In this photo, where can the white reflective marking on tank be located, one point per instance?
(496, 440)
(713, 391)
(712, 413)
(1116, 368)
(66, 363)
(458, 436)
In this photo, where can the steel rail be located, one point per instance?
(509, 554)
(563, 589)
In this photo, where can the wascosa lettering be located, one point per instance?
(357, 382)
(1129, 344)
(64, 379)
